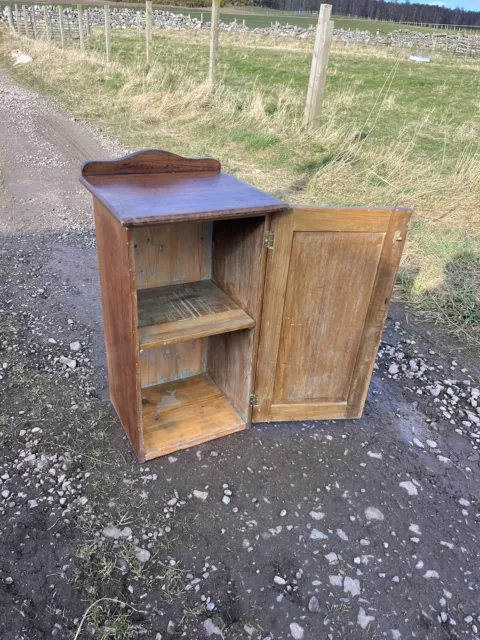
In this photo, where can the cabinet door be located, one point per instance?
(329, 278)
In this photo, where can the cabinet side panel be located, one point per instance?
(117, 285)
(172, 362)
(236, 259)
(329, 284)
(229, 364)
(238, 268)
(172, 253)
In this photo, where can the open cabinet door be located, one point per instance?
(329, 278)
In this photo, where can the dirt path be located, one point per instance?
(359, 529)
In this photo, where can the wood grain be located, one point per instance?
(187, 311)
(238, 266)
(148, 161)
(330, 281)
(308, 411)
(183, 413)
(278, 263)
(377, 312)
(172, 253)
(348, 219)
(327, 290)
(142, 199)
(172, 362)
(115, 263)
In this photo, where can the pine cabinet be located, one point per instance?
(223, 305)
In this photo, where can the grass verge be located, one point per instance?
(391, 133)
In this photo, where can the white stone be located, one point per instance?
(142, 555)
(409, 487)
(418, 443)
(463, 502)
(414, 528)
(211, 628)
(432, 444)
(296, 630)
(5, 494)
(332, 558)
(117, 533)
(372, 454)
(363, 620)
(32, 504)
(201, 495)
(431, 574)
(75, 346)
(317, 515)
(69, 362)
(314, 605)
(352, 586)
(372, 513)
(342, 535)
(317, 535)
(335, 581)
(279, 580)
(393, 369)
(226, 499)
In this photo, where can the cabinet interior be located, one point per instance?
(198, 300)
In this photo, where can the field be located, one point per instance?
(391, 133)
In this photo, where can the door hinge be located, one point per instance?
(254, 400)
(268, 239)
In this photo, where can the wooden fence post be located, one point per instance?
(60, 22)
(25, 19)
(17, 20)
(10, 20)
(106, 9)
(214, 41)
(34, 22)
(148, 28)
(318, 72)
(80, 28)
(47, 22)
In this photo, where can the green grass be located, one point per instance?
(391, 133)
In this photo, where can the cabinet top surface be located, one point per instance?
(152, 187)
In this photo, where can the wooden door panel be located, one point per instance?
(328, 282)
(317, 350)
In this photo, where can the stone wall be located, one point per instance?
(122, 18)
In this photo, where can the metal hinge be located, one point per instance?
(268, 239)
(253, 400)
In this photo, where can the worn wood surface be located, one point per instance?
(330, 280)
(377, 312)
(278, 262)
(316, 349)
(318, 71)
(117, 285)
(187, 311)
(173, 362)
(186, 412)
(148, 161)
(172, 253)
(236, 260)
(137, 200)
(108, 47)
(238, 266)
(337, 219)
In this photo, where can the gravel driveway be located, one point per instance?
(358, 529)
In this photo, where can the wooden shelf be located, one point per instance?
(180, 312)
(182, 413)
